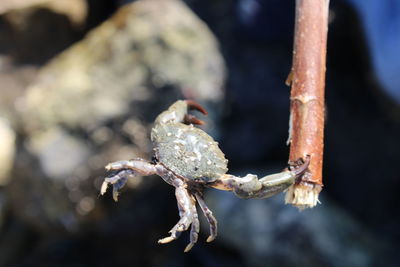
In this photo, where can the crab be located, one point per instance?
(190, 160)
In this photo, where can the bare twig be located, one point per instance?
(307, 78)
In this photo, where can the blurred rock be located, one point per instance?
(33, 33)
(96, 103)
(141, 47)
(14, 80)
(58, 152)
(7, 151)
(75, 9)
(7, 5)
(267, 233)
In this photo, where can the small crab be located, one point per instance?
(189, 159)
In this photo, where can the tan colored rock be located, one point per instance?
(147, 45)
(76, 10)
(7, 151)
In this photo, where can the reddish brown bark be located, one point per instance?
(307, 98)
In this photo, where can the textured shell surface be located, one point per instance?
(188, 151)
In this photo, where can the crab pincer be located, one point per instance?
(193, 105)
(191, 119)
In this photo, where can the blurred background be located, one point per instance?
(81, 82)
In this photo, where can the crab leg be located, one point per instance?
(252, 187)
(209, 216)
(188, 216)
(120, 171)
(194, 230)
(140, 166)
(118, 179)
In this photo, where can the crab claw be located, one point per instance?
(299, 168)
(117, 179)
(193, 105)
(191, 119)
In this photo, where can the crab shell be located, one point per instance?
(188, 152)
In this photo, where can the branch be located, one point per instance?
(307, 78)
